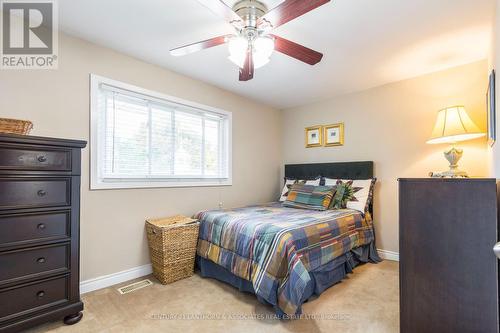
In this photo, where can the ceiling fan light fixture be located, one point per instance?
(264, 46)
(238, 47)
(258, 61)
(253, 23)
(262, 49)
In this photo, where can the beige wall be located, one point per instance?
(112, 221)
(390, 125)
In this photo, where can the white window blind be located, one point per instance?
(145, 139)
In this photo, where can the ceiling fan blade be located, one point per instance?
(289, 10)
(246, 73)
(195, 47)
(221, 9)
(296, 51)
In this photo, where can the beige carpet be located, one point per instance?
(365, 302)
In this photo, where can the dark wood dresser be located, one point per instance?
(448, 270)
(39, 231)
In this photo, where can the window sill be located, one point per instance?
(109, 185)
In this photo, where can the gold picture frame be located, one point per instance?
(314, 136)
(334, 135)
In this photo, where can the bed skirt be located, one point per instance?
(321, 278)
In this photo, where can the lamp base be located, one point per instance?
(449, 174)
(453, 156)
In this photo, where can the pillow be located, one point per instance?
(289, 182)
(310, 197)
(352, 194)
(341, 196)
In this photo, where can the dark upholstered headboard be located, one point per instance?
(340, 170)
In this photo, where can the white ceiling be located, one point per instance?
(366, 43)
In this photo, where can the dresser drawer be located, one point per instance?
(34, 227)
(33, 297)
(33, 159)
(34, 192)
(33, 262)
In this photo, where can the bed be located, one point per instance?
(286, 255)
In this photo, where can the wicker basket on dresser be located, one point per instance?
(39, 231)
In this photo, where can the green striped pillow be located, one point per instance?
(310, 197)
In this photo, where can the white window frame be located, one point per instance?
(98, 183)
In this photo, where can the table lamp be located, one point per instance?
(453, 124)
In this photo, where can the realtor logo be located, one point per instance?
(29, 34)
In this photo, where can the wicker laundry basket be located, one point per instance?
(172, 246)
(15, 126)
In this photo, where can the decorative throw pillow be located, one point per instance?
(289, 182)
(352, 194)
(342, 194)
(310, 197)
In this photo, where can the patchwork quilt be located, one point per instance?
(275, 247)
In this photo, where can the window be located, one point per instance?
(140, 138)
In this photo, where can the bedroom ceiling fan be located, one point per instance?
(253, 43)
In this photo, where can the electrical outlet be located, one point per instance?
(221, 204)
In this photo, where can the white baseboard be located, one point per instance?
(137, 272)
(115, 278)
(388, 255)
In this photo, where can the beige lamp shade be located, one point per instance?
(453, 124)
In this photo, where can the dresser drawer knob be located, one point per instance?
(42, 159)
(41, 193)
(41, 226)
(40, 294)
(40, 260)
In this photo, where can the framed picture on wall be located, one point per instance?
(491, 104)
(314, 136)
(334, 135)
